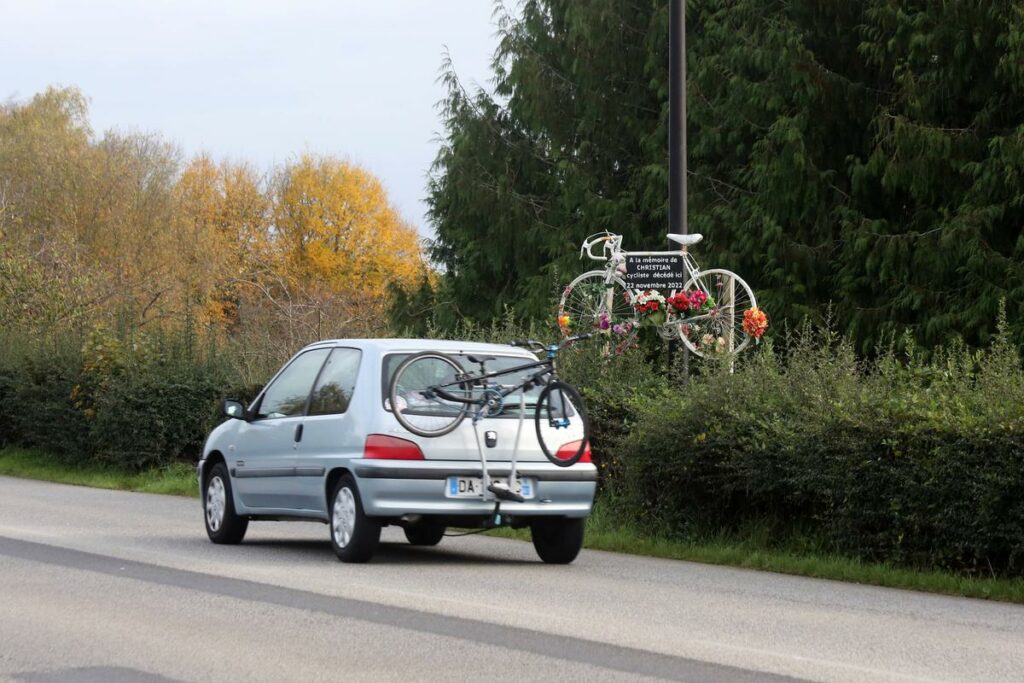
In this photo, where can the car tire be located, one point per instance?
(354, 536)
(425, 532)
(557, 541)
(222, 524)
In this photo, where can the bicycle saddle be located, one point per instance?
(685, 240)
(479, 359)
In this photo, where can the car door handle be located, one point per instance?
(298, 433)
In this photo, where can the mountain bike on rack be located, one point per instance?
(431, 394)
(713, 312)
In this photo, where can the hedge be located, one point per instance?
(139, 403)
(911, 457)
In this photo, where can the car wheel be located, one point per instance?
(557, 541)
(222, 524)
(354, 536)
(425, 532)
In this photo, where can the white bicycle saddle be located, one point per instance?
(686, 240)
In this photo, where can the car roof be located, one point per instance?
(445, 345)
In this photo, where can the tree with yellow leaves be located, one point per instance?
(115, 231)
(222, 229)
(341, 244)
(85, 222)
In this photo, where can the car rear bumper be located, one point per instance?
(390, 488)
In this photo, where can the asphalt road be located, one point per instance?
(110, 586)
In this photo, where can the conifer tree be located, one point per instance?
(862, 155)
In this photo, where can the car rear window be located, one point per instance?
(511, 408)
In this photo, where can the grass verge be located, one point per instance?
(178, 479)
(603, 533)
(753, 551)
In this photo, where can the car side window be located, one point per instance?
(337, 381)
(288, 393)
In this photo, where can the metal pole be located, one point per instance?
(677, 210)
(677, 214)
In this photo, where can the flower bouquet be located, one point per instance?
(651, 308)
(755, 322)
(682, 305)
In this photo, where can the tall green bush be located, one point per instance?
(129, 399)
(900, 458)
(36, 405)
(154, 416)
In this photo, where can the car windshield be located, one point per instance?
(441, 374)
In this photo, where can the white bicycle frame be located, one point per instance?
(615, 256)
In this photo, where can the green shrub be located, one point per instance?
(136, 402)
(154, 416)
(900, 459)
(9, 383)
(36, 406)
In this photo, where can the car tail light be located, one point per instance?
(568, 450)
(381, 447)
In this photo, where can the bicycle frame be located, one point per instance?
(548, 368)
(615, 257)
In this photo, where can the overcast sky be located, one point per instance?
(259, 80)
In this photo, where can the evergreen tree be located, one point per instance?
(867, 155)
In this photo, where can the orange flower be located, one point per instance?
(755, 322)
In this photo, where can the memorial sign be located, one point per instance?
(663, 272)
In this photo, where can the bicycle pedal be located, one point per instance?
(505, 493)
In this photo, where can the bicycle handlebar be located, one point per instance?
(610, 244)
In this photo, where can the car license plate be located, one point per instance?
(473, 487)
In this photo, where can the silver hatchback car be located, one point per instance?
(320, 443)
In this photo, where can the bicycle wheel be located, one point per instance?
(589, 304)
(718, 330)
(561, 421)
(416, 406)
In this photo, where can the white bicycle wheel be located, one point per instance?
(593, 305)
(718, 330)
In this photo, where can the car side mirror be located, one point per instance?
(232, 408)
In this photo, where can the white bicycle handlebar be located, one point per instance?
(610, 243)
